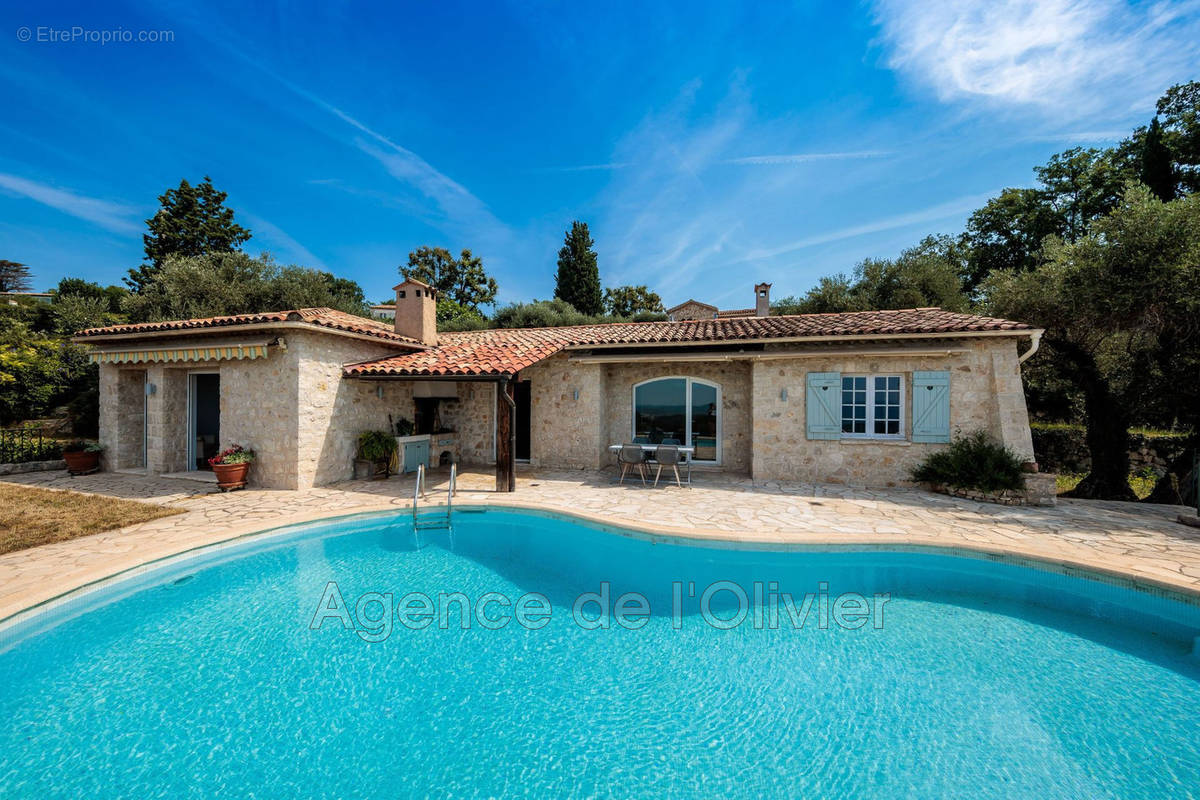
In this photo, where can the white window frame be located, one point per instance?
(687, 404)
(871, 376)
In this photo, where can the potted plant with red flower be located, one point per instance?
(82, 457)
(231, 466)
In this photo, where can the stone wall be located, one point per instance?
(333, 411)
(982, 396)
(566, 430)
(123, 403)
(472, 417)
(1041, 489)
(736, 415)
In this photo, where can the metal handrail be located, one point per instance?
(451, 489)
(418, 490)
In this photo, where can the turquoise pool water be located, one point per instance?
(205, 678)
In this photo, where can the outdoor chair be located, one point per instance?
(670, 440)
(641, 440)
(631, 455)
(667, 455)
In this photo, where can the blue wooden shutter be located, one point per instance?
(823, 405)
(931, 407)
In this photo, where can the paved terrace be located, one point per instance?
(1135, 543)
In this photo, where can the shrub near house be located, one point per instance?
(973, 462)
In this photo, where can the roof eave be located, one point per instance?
(133, 336)
(841, 337)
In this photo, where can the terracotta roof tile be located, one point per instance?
(319, 317)
(507, 351)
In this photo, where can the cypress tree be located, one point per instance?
(1156, 169)
(578, 278)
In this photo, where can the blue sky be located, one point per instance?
(708, 145)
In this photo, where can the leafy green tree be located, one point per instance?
(454, 317)
(541, 314)
(78, 287)
(928, 274)
(627, 301)
(1180, 109)
(832, 294)
(192, 221)
(1084, 184)
(75, 312)
(234, 283)
(38, 371)
(463, 280)
(578, 278)
(1118, 306)
(14, 276)
(1007, 234)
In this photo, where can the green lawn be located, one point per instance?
(1141, 484)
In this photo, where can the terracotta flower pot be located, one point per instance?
(231, 476)
(81, 462)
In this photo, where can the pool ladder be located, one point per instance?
(419, 492)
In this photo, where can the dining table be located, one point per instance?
(686, 452)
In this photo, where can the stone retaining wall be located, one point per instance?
(32, 466)
(1040, 490)
(1065, 450)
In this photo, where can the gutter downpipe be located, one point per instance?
(1035, 341)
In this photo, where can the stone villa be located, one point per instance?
(855, 398)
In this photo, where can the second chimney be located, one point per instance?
(762, 300)
(416, 312)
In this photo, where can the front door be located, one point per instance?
(522, 399)
(204, 423)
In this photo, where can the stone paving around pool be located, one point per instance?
(1130, 542)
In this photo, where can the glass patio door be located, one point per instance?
(684, 411)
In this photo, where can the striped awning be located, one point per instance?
(226, 352)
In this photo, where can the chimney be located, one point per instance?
(416, 312)
(762, 300)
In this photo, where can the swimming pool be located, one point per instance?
(232, 672)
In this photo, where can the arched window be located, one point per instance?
(679, 410)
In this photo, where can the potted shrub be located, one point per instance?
(82, 457)
(231, 467)
(375, 450)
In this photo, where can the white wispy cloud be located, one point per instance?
(1065, 57)
(116, 217)
(280, 243)
(805, 158)
(909, 219)
(1079, 137)
(684, 220)
(457, 209)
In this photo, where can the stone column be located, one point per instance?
(1009, 393)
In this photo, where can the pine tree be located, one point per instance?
(193, 221)
(14, 276)
(578, 279)
(1156, 169)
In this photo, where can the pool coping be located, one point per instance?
(36, 603)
